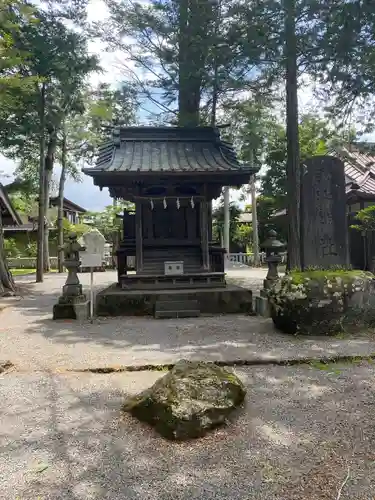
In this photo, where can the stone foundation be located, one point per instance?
(113, 301)
(323, 302)
(78, 310)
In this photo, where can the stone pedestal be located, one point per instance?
(262, 307)
(77, 308)
(324, 302)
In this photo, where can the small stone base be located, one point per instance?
(79, 311)
(262, 307)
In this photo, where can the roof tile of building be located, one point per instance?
(167, 149)
(359, 170)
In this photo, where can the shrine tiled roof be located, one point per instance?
(167, 150)
(359, 170)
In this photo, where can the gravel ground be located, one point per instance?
(62, 437)
(31, 340)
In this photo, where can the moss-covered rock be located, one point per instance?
(189, 400)
(323, 302)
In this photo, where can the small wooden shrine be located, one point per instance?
(171, 174)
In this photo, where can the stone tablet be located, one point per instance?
(324, 230)
(94, 242)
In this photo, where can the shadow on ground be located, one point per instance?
(63, 437)
(31, 338)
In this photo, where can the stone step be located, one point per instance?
(176, 309)
(176, 305)
(194, 313)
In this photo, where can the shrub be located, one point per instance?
(10, 248)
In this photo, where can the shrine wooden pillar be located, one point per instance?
(204, 232)
(138, 237)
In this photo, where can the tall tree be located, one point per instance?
(346, 52)
(82, 132)
(58, 59)
(188, 53)
(14, 16)
(293, 153)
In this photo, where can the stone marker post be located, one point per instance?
(273, 247)
(324, 226)
(72, 304)
(93, 255)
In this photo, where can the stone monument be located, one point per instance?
(324, 227)
(93, 256)
(326, 297)
(72, 304)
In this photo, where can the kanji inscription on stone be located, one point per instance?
(324, 229)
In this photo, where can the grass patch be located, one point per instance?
(22, 272)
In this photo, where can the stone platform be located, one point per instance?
(114, 301)
(72, 310)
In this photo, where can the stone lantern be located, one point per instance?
(273, 247)
(73, 303)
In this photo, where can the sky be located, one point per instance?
(85, 193)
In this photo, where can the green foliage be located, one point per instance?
(59, 61)
(243, 235)
(108, 221)
(31, 249)
(251, 124)
(347, 276)
(366, 219)
(69, 228)
(14, 16)
(266, 208)
(218, 221)
(316, 138)
(10, 248)
(85, 131)
(346, 53)
(23, 202)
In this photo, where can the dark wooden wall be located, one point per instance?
(167, 224)
(170, 223)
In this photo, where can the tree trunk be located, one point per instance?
(47, 186)
(293, 166)
(41, 201)
(60, 214)
(48, 165)
(194, 21)
(7, 286)
(215, 90)
(215, 83)
(254, 216)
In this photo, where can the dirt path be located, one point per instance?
(33, 341)
(62, 436)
